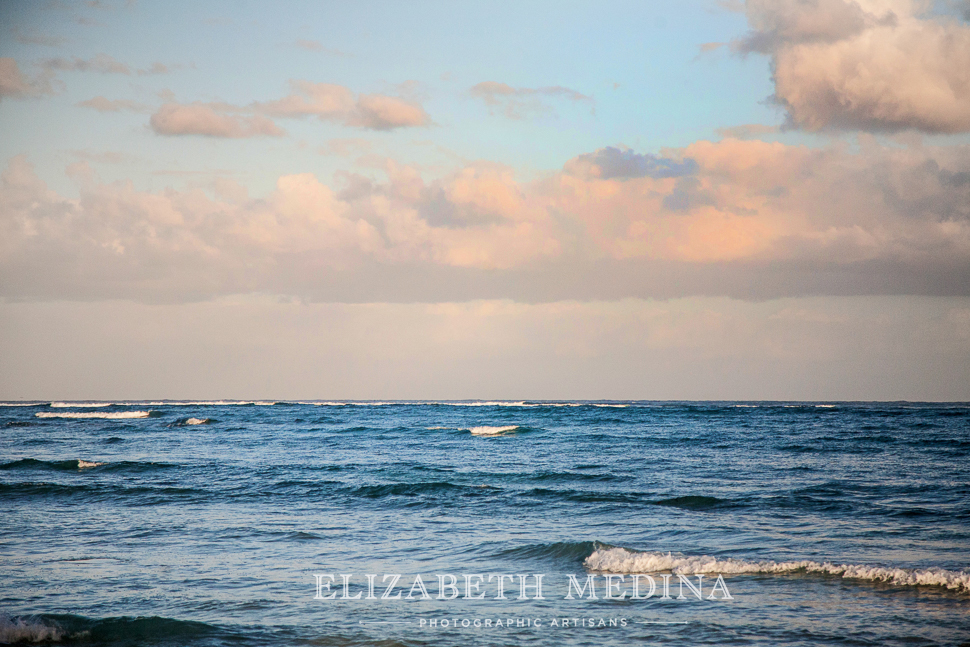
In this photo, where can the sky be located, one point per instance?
(761, 200)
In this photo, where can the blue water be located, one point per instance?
(206, 523)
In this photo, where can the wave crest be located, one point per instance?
(108, 415)
(15, 630)
(621, 560)
(494, 431)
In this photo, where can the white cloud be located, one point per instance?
(13, 83)
(741, 218)
(521, 103)
(201, 119)
(874, 65)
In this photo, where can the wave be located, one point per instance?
(15, 630)
(621, 560)
(108, 415)
(34, 464)
(79, 405)
(24, 404)
(189, 422)
(211, 403)
(560, 550)
(693, 502)
(417, 489)
(493, 431)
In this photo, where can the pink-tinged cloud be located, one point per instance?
(380, 112)
(864, 64)
(329, 102)
(520, 103)
(101, 63)
(746, 131)
(13, 83)
(102, 104)
(743, 218)
(323, 100)
(200, 119)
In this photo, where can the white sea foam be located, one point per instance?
(489, 403)
(80, 405)
(621, 560)
(207, 403)
(15, 630)
(85, 464)
(23, 404)
(109, 415)
(492, 431)
(196, 421)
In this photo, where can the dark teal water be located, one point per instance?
(835, 524)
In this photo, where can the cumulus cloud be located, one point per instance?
(201, 119)
(13, 83)
(325, 101)
(735, 217)
(330, 102)
(874, 65)
(520, 103)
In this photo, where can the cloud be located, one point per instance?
(101, 104)
(14, 84)
(608, 163)
(201, 119)
(380, 112)
(746, 131)
(869, 65)
(101, 63)
(747, 219)
(520, 103)
(39, 39)
(330, 102)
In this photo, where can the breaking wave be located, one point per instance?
(108, 415)
(189, 422)
(79, 405)
(15, 630)
(621, 560)
(494, 431)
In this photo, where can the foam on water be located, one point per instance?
(16, 630)
(79, 405)
(209, 403)
(82, 464)
(621, 560)
(493, 431)
(107, 415)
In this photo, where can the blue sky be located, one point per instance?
(761, 199)
(641, 64)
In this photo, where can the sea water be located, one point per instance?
(289, 523)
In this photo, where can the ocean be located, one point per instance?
(485, 523)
